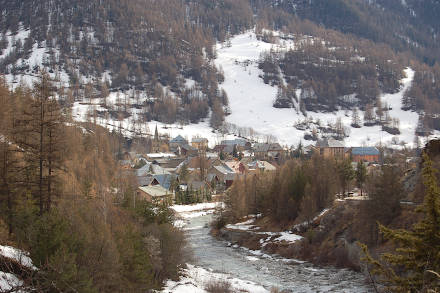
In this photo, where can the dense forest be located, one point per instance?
(64, 199)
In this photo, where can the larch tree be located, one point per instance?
(415, 265)
(9, 156)
(42, 124)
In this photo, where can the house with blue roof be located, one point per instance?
(365, 154)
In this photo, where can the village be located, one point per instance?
(183, 172)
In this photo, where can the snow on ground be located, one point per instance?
(246, 225)
(83, 112)
(195, 280)
(18, 255)
(251, 99)
(196, 207)
(36, 58)
(8, 282)
(288, 237)
(306, 223)
(185, 212)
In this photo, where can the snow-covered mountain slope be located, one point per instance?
(29, 65)
(251, 100)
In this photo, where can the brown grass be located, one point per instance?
(219, 286)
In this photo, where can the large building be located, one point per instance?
(331, 148)
(365, 154)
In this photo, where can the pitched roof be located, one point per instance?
(144, 170)
(199, 139)
(165, 179)
(266, 147)
(150, 168)
(224, 170)
(155, 191)
(262, 165)
(188, 147)
(179, 140)
(234, 165)
(237, 141)
(329, 142)
(365, 151)
(261, 147)
(144, 180)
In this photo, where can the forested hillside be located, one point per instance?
(159, 59)
(95, 46)
(64, 199)
(404, 25)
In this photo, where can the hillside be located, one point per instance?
(266, 70)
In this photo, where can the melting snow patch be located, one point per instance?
(286, 236)
(195, 280)
(246, 225)
(18, 255)
(8, 282)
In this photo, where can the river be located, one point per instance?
(265, 270)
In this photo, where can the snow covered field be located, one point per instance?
(251, 99)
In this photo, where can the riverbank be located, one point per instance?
(325, 240)
(251, 270)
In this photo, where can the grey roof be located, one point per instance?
(365, 151)
(165, 179)
(229, 149)
(199, 139)
(237, 141)
(266, 147)
(188, 147)
(261, 147)
(224, 170)
(144, 180)
(150, 168)
(179, 140)
(329, 142)
(144, 170)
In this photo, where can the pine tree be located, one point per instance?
(361, 175)
(416, 264)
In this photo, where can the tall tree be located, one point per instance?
(346, 174)
(415, 265)
(361, 175)
(42, 121)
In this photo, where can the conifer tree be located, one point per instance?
(361, 175)
(42, 126)
(415, 265)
